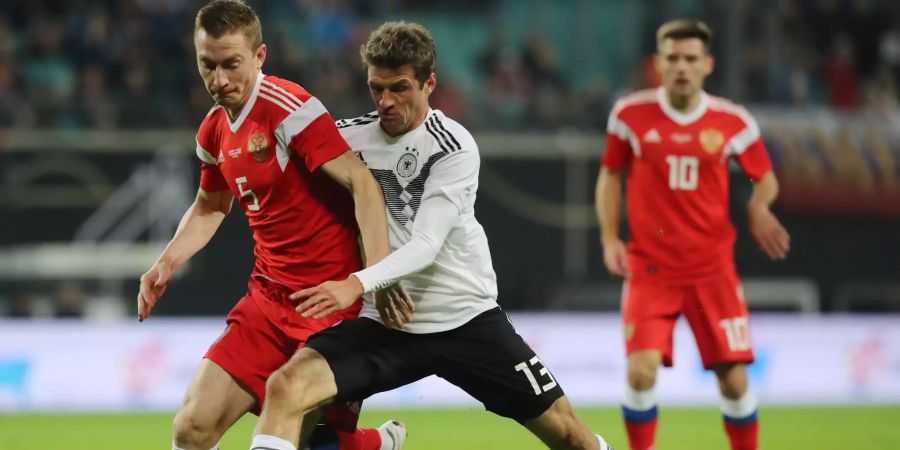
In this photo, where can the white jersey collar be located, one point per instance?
(245, 111)
(675, 115)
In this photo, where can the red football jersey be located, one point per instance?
(302, 221)
(676, 188)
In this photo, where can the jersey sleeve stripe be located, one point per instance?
(622, 131)
(742, 140)
(277, 102)
(293, 125)
(440, 125)
(204, 155)
(281, 98)
(437, 138)
(291, 98)
(361, 120)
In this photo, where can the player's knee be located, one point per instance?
(188, 429)
(287, 388)
(641, 376)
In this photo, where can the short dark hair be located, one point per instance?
(220, 17)
(395, 44)
(685, 29)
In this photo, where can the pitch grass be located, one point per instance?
(819, 428)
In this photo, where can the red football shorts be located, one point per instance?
(262, 332)
(715, 310)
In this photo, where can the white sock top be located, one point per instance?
(175, 447)
(639, 400)
(740, 408)
(267, 442)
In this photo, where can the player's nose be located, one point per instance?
(221, 78)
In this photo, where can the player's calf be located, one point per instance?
(561, 429)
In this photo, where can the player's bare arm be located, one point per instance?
(436, 218)
(368, 201)
(770, 235)
(196, 228)
(608, 197)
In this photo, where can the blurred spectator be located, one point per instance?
(843, 87)
(70, 300)
(49, 75)
(130, 63)
(24, 305)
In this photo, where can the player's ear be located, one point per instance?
(710, 64)
(430, 83)
(260, 56)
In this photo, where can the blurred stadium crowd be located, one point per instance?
(129, 64)
(510, 66)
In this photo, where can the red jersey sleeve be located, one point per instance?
(748, 148)
(754, 160)
(619, 136)
(211, 179)
(311, 134)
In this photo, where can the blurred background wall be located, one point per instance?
(99, 101)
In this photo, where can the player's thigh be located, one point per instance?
(492, 363)
(251, 348)
(214, 399)
(719, 319)
(649, 313)
(560, 426)
(367, 358)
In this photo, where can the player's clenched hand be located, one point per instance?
(153, 284)
(328, 297)
(615, 257)
(395, 306)
(770, 235)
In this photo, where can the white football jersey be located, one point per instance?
(439, 158)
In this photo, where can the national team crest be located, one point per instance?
(712, 139)
(258, 146)
(407, 164)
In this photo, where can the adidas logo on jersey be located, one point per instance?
(652, 136)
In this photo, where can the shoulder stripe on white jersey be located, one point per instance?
(437, 138)
(283, 91)
(277, 102)
(204, 155)
(440, 124)
(361, 120)
(293, 125)
(281, 97)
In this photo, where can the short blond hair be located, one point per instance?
(221, 17)
(685, 29)
(396, 44)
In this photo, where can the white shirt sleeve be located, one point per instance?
(449, 191)
(436, 217)
(454, 177)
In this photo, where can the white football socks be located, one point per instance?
(175, 447)
(740, 408)
(603, 444)
(266, 442)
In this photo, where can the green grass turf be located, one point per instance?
(819, 428)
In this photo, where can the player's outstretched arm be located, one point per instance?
(368, 202)
(770, 235)
(608, 201)
(196, 228)
(436, 218)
